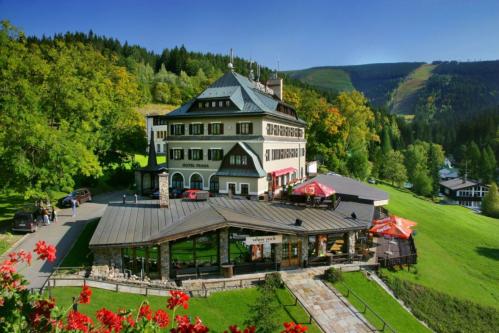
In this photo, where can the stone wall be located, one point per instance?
(164, 196)
(304, 250)
(352, 235)
(164, 249)
(278, 253)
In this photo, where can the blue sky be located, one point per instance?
(299, 34)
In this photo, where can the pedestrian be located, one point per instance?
(46, 219)
(74, 203)
(54, 215)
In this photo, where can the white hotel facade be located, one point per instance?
(237, 136)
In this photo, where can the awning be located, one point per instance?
(314, 188)
(396, 220)
(284, 171)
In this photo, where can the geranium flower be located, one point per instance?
(235, 329)
(145, 311)
(294, 328)
(41, 312)
(109, 319)
(78, 321)
(178, 298)
(161, 318)
(85, 294)
(45, 251)
(184, 325)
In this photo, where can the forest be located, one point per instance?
(69, 113)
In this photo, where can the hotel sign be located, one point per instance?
(192, 165)
(271, 239)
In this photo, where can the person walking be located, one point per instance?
(45, 213)
(54, 215)
(74, 203)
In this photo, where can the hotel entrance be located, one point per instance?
(291, 252)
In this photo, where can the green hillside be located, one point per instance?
(458, 249)
(405, 96)
(376, 81)
(328, 78)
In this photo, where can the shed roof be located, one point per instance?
(458, 183)
(351, 187)
(146, 223)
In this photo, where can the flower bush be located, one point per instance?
(23, 311)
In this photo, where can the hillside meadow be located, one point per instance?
(458, 249)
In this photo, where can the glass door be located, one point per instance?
(291, 252)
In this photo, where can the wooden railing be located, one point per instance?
(410, 259)
(385, 325)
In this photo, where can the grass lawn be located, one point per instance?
(458, 249)
(381, 302)
(217, 311)
(80, 254)
(142, 159)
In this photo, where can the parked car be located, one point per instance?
(81, 195)
(195, 194)
(26, 221)
(371, 181)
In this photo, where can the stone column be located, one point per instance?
(164, 249)
(352, 235)
(304, 250)
(224, 246)
(164, 196)
(278, 252)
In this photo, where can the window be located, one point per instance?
(177, 154)
(158, 121)
(214, 184)
(207, 104)
(281, 131)
(244, 128)
(177, 129)
(216, 128)
(158, 148)
(238, 160)
(215, 154)
(195, 154)
(240, 253)
(196, 182)
(270, 129)
(160, 134)
(244, 189)
(220, 104)
(267, 154)
(303, 152)
(276, 129)
(200, 105)
(196, 129)
(227, 103)
(177, 181)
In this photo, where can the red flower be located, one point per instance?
(294, 328)
(7, 268)
(42, 309)
(78, 321)
(24, 256)
(145, 311)
(184, 325)
(2, 301)
(161, 318)
(109, 319)
(235, 329)
(85, 294)
(178, 298)
(45, 251)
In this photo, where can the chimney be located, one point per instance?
(276, 84)
(164, 195)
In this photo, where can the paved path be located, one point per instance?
(331, 310)
(63, 233)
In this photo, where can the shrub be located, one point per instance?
(442, 312)
(333, 275)
(274, 280)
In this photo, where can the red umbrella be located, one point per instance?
(391, 229)
(397, 220)
(314, 189)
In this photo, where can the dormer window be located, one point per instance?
(207, 104)
(227, 103)
(200, 105)
(213, 104)
(220, 104)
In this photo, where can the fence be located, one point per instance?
(410, 259)
(366, 307)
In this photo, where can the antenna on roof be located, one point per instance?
(274, 75)
(251, 73)
(258, 72)
(231, 60)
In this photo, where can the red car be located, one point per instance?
(196, 194)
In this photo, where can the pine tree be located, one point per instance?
(490, 202)
(475, 158)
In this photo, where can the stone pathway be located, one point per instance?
(332, 311)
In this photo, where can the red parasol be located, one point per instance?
(396, 220)
(391, 229)
(314, 189)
